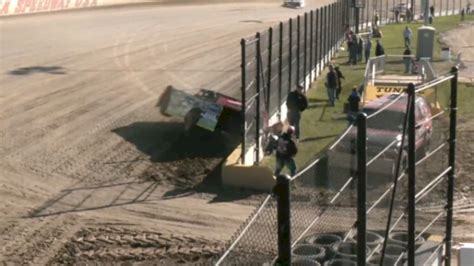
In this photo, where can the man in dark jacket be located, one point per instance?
(285, 152)
(379, 49)
(331, 85)
(353, 100)
(296, 103)
(339, 81)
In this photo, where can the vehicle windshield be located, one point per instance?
(385, 120)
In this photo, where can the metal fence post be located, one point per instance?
(280, 69)
(361, 188)
(305, 61)
(411, 176)
(317, 46)
(311, 45)
(282, 193)
(243, 67)
(269, 82)
(290, 53)
(325, 34)
(298, 52)
(257, 113)
(452, 164)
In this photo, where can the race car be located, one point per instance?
(207, 109)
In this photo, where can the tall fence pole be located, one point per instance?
(361, 188)
(411, 176)
(305, 61)
(258, 99)
(311, 45)
(290, 53)
(298, 52)
(452, 164)
(270, 61)
(317, 54)
(282, 193)
(243, 67)
(280, 68)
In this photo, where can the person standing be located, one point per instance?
(339, 82)
(296, 103)
(432, 10)
(360, 49)
(367, 48)
(407, 59)
(353, 52)
(407, 34)
(463, 13)
(331, 85)
(409, 15)
(285, 152)
(397, 15)
(353, 102)
(379, 49)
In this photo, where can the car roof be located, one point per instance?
(399, 105)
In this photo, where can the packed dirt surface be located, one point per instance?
(85, 153)
(461, 40)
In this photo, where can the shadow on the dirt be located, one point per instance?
(191, 159)
(96, 197)
(56, 70)
(168, 141)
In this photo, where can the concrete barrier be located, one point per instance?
(256, 177)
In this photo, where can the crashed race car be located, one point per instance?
(384, 130)
(206, 109)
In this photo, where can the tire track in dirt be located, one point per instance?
(114, 245)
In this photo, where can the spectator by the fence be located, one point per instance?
(407, 35)
(432, 10)
(285, 152)
(351, 47)
(379, 49)
(468, 8)
(353, 102)
(353, 52)
(463, 13)
(360, 49)
(367, 48)
(409, 15)
(376, 19)
(331, 85)
(296, 103)
(339, 81)
(397, 15)
(407, 59)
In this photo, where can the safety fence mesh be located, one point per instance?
(277, 60)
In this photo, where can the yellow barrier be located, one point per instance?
(246, 176)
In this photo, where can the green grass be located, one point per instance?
(321, 124)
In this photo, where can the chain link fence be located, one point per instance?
(277, 60)
(324, 196)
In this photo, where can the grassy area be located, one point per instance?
(322, 124)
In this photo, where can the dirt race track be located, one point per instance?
(89, 169)
(87, 162)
